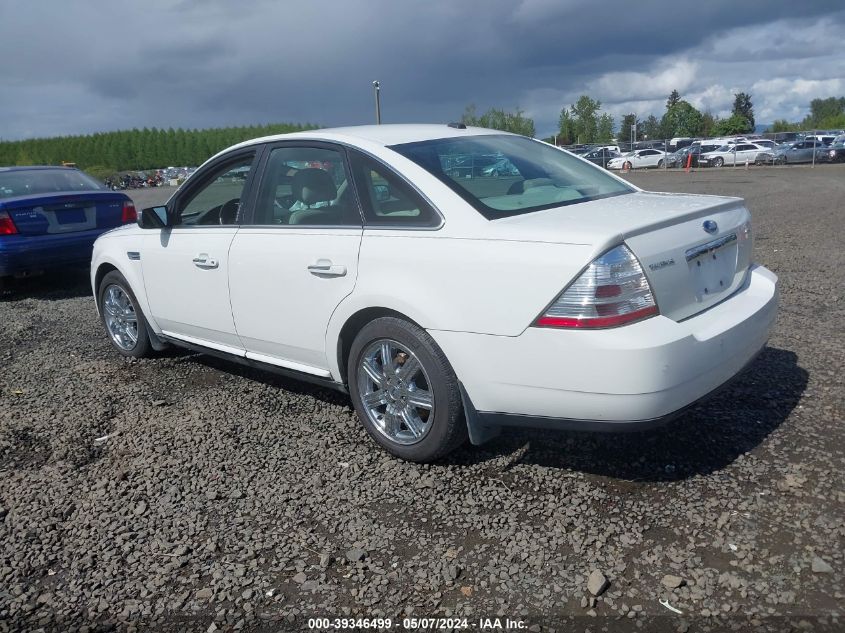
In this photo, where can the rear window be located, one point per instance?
(504, 175)
(27, 182)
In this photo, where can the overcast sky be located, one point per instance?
(74, 67)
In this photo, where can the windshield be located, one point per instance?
(541, 177)
(27, 182)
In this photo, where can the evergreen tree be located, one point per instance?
(673, 99)
(743, 108)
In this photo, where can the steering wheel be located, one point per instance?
(229, 212)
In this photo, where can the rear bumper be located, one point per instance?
(20, 254)
(616, 379)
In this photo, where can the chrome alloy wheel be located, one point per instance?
(120, 317)
(395, 391)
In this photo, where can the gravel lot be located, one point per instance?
(229, 499)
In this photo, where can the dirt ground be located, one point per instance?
(227, 499)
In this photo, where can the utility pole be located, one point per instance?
(377, 90)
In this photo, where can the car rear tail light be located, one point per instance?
(7, 227)
(612, 291)
(129, 213)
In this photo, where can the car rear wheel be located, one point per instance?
(405, 391)
(123, 319)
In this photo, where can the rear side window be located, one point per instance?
(27, 182)
(306, 186)
(387, 199)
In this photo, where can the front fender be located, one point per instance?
(112, 253)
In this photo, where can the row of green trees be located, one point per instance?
(497, 119)
(134, 149)
(584, 122)
(825, 114)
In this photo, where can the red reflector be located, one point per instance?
(129, 213)
(7, 227)
(598, 322)
(611, 290)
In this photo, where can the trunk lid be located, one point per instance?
(690, 267)
(62, 213)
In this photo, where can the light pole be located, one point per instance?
(377, 90)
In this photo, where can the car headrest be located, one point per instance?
(313, 185)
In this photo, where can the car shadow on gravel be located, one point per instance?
(64, 284)
(707, 438)
(277, 381)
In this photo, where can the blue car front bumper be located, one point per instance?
(20, 255)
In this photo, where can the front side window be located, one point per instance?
(387, 199)
(304, 186)
(218, 200)
(534, 175)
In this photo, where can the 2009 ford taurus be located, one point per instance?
(448, 300)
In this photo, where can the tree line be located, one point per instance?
(135, 149)
(584, 122)
(825, 114)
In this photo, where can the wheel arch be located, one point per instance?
(353, 324)
(102, 270)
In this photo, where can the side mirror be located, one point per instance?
(382, 192)
(153, 218)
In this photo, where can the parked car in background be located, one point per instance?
(836, 152)
(806, 151)
(600, 157)
(696, 150)
(678, 158)
(623, 307)
(738, 154)
(638, 159)
(50, 217)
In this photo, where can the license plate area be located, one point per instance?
(71, 216)
(712, 266)
(61, 219)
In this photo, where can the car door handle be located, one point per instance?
(204, 261)
(325, 268)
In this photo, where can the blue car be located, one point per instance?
(50, 217)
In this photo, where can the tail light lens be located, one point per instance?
(612, 291)
(129, 213)
(7, 227)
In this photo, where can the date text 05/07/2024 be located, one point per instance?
(415, 624)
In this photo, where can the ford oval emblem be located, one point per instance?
(710, 226)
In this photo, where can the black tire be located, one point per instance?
(660, 164)
(718, 161)
(627, 166)
(447, 431)
(142, 347)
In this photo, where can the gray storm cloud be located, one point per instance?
(83, 67)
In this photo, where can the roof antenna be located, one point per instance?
(458, 126)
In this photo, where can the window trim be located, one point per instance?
(202, 178)
(266, 151)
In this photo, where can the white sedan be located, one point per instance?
(738, 154)
(639, 159)
(554, 294)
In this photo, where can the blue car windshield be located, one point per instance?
(538, 176)
(27, 182)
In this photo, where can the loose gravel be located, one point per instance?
(185, 493)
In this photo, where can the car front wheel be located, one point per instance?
(718, 162)
(123, 319)
(405, 391)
